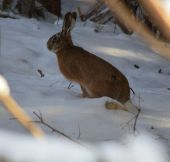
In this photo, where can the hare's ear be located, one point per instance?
(69, 22)
(73, 21)
(74, 16)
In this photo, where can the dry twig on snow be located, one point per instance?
(41, 121)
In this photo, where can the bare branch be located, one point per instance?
(41, 121)
(70, 86)
(158, 15)
(137, 115)
(79, 132)
(136, 118)
(129, 121)
(41, 73)
(125, 16)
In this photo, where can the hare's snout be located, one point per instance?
(49, 44)
(54, 42)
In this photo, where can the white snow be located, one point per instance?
(19, 148)
(23, 51)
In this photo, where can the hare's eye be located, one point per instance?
(53, 38)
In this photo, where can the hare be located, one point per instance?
(96, 77)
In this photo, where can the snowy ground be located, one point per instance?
(23, 51)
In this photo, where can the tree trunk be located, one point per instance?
(26, 7)
(6, 4)
(53, 6)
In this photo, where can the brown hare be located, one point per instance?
(95, 76)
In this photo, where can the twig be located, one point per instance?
(79, 132)
(137, 115)
(82, 17)
(129, 121)
(41, 73)
(136, 118)
(70, 86)
(58, 18)
(41, 121)
(132, 91)
(53, 84)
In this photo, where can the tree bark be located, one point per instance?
(6, 4)
(53, 6)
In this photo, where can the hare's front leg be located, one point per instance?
(88, 93)
(85, 94)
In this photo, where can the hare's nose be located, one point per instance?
(49, 45)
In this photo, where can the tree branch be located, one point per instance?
(41, 121)
(125, 16)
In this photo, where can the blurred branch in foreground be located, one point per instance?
(16, 110)
(125, 16)
(158, 15)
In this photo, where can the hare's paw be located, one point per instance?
(114, 105)
(127, 106)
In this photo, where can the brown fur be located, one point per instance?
(96, 77)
